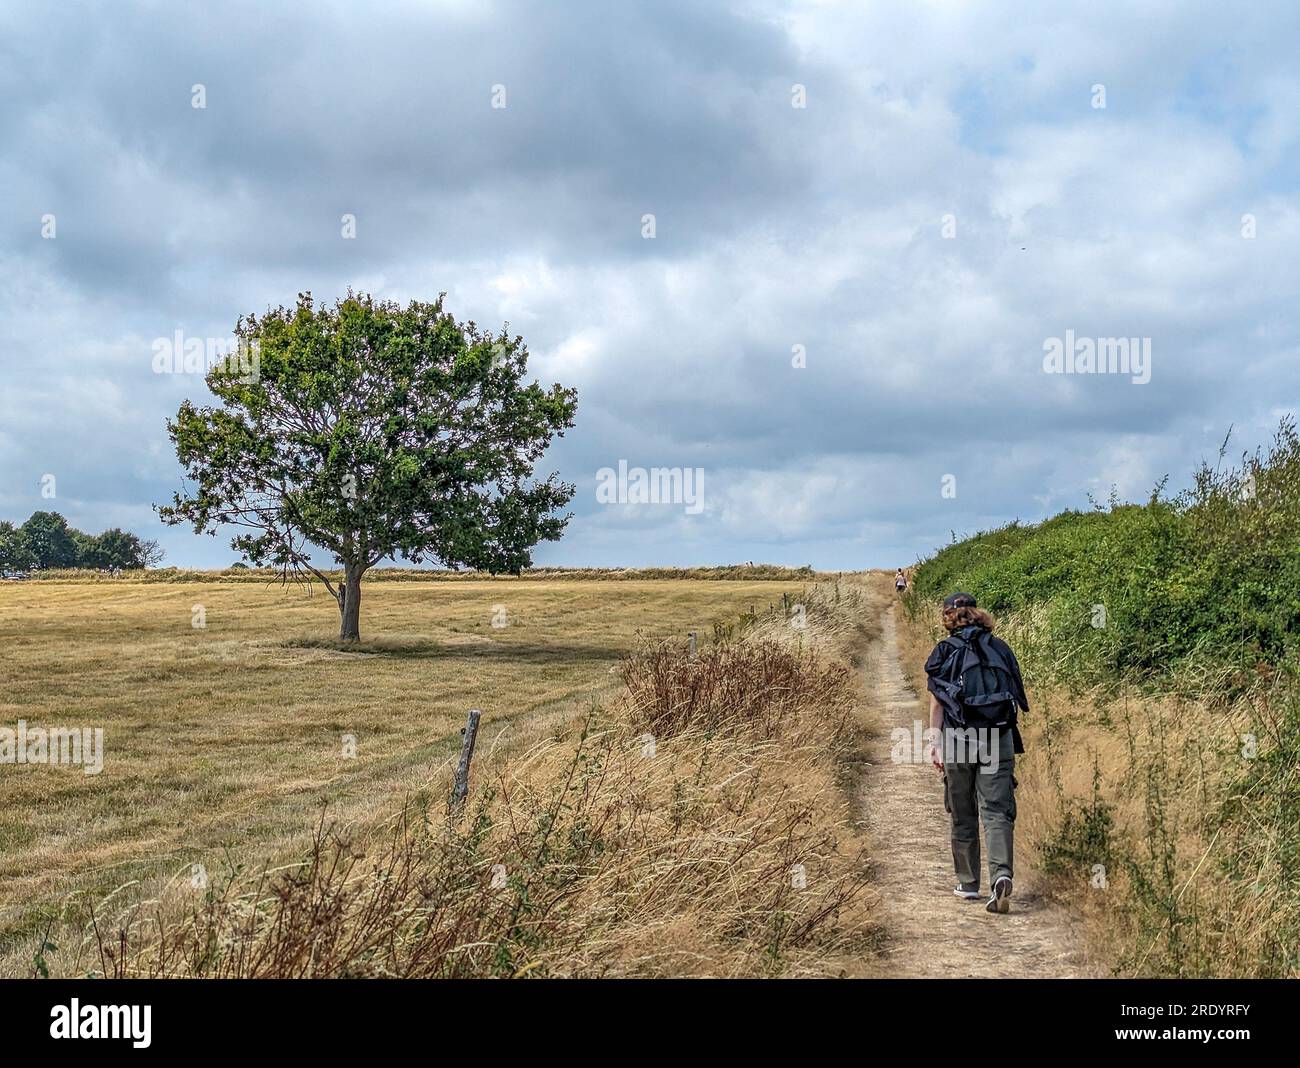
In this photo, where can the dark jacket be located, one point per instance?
(996, 648)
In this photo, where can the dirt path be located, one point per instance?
(930, 933)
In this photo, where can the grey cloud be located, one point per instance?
(776, 227)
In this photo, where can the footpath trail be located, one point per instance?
(929, 932)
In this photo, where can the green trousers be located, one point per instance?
(978, 787)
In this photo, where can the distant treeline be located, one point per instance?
(242, 573)
(47, 543)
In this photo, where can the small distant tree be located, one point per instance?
(15, 553)
(373, 431)
(151, 554)
(117, 550)
(50, 541)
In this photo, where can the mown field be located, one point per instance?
(222, 743)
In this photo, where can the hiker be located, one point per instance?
(900, 580)
(975, 694)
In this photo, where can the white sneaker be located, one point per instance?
(968, 891)
(1001, 899)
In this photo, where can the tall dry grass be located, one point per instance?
(696, 825)
(223, 741)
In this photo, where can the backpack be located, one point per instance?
(978, 682)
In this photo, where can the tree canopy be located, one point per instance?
(373, 431)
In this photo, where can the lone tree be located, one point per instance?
(372, 431)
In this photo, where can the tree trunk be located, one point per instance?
(350, 604)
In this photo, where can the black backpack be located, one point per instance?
(978, 682)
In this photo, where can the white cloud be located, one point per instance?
(778, 226)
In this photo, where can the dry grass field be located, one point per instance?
(223, 742)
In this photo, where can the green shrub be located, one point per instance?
(1202, 585)
(1083, 838)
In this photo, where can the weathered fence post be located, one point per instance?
(460, 787)
(692, 644)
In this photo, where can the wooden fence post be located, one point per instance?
(692, 644)
(460, 787)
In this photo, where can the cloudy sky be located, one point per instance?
(952, 195)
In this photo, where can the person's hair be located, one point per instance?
(966, 616)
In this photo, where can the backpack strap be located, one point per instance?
(954, 645)
(977, 646)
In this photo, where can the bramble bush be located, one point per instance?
(1204, 585)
